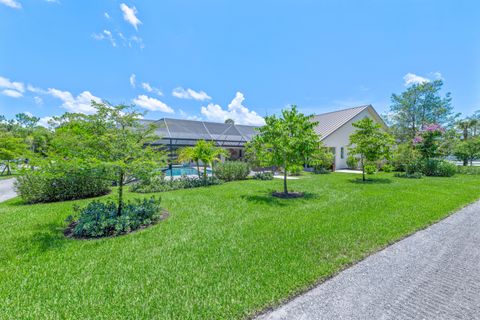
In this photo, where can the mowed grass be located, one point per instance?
(225, 252)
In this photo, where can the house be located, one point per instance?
(334, 129)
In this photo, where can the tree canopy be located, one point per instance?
(370, 142)
(286, 141)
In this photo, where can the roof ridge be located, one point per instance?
(358, 107)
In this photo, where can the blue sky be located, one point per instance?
(240, 59)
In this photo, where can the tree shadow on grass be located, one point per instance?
(371, 181)
(49, 236)
(269, 199)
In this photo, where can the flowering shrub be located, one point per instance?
(428, 140)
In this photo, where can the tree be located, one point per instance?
(204, 151)
(468, 150)
(113, 137)
(289, 139)
(370, 142)
(230, 121)
(419, 105)
(11, 148)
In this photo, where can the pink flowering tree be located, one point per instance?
(428, 141)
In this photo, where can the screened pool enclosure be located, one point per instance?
(177, 133)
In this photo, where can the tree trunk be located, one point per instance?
(9, 172)
(363, 170)
(285, 189)
(465, 162)
(120, 192)
(205, 174)
(198, 169)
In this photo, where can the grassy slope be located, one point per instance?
(225, 252)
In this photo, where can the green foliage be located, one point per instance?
(471, 170)
(11, 148)
(370, 142)
(62, 180)
(100, 219)
(321, 160)
(387, 167)
(232, 170)
(405, 158)
(294, 170)
(468, 150)
(370, 168)
(321, 170)
(414, 175)
(286, 141)
(352, 162)
(114, 137)
(203, 151)
(161, 184)
(438, 168)
(267, 175)
(418, 106)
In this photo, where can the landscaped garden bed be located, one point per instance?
(225, 252)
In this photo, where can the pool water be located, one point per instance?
(180, 171)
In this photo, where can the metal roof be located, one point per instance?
(331, 121)
(187, 132)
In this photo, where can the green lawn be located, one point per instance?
(225, 252)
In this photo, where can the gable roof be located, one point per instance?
(330, 122)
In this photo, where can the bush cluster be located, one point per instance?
(62, 181)
(161, 184)
(472, 170)
(415, 175)
(100, 219)
(387, 167)
(294, 170)
(438, 168)
(370, 168)
(352, 162)
(321, 170)
(232, 170)
(267, 175)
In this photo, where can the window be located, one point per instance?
(342, 153)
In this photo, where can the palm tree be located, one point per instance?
(188, 154)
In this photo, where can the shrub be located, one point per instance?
(160, 184)
(468, 170)
(387, 167)
(100, 219)
(438, 168)
(321, 170)
(352, 162)
(370, 168)
(405, 158)
(415, 175)
(232, 170)
(62, 181)
(268, 175)
(294, 170)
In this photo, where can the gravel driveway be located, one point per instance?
(433, 274)
(6, 189)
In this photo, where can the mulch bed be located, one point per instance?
(68, 232)
(290, 195)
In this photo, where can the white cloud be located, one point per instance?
(152, 104)
(105, 35)
(44, 121)
(38, 100)
(12, 4)
(181, 93)
(79, 104)
(236, 111)
(133, 79)
(411, 78)
(147, 87)
(437, 75)
(7, 84)
(129, 15)
(106, 15)
(185, 115)
(36, 90)
(12, 93)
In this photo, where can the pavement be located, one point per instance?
(6, 189)
(433, 274)
(349, 171)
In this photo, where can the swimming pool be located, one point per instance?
(180, 171)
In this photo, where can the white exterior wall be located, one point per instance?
(340, 138)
